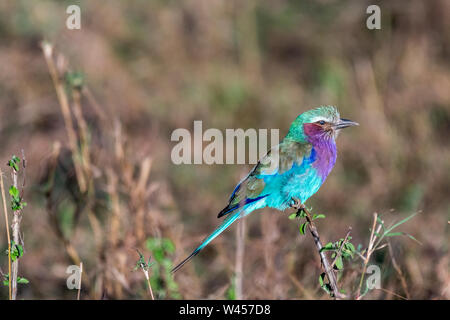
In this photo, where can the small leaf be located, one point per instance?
(349, 246)
(329, 246)
(400, 222)
(412, 238)
(13, 191)
(318, 216)
(293, 216)
(393, 234)
(22, 280)
(321, 277)
(302, 227)
(339, 263)
(347, 254)
(324, 286)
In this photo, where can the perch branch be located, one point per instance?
(15, 226)
(325, 263)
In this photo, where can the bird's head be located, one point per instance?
(321, 123)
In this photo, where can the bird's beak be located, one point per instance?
(344, 123)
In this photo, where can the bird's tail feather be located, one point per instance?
(225, 224)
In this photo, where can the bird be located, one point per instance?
(289, 174)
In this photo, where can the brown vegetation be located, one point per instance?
(100, 183)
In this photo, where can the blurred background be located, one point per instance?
(100, 182)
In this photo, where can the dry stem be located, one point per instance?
(47, 49)
(370, 249)
(79, 283)
(147, 277)
(5, 211)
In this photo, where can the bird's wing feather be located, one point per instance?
(277, 161)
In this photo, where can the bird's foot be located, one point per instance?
(298, 205)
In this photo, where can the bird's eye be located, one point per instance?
(322, 122)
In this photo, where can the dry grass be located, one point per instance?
(100, 180)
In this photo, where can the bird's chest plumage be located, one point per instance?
(305, 177)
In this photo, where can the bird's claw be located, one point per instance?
(298, 205)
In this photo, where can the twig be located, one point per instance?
(145, 266)
(338, 254)
(399, 270)
(47, 49)
(7, 233)
(15, 226)
(148, 283)
(84, 133)
(326, 264)
(79, 283)
(370, 250)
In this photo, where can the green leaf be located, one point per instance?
(13, 191)
(329, 246)
(393, 234)
(301, 214)
(13, 163)
(349, 246)
(318, 216)
(16, 251)
(347, 254)
(231, 292)
(323, 285)
(321, 278)
(339, 263)
(412, 238)
(22, 280)
(303, 227)
(400, 223)
(293, 216)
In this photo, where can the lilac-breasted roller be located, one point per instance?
(290, 173)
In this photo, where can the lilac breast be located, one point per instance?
(325, 148)
(326, 157)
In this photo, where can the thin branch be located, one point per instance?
(339, 253)
(148, 283)
(5, 211)
(145, 267)
(79, 283)
(398, 269)
(47, 49)
(370, 250)
(15, 226)
(326, 264)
